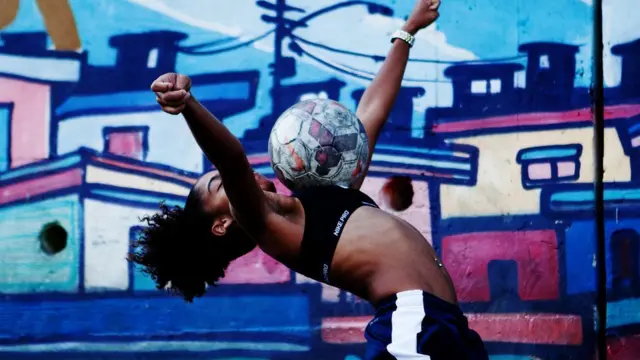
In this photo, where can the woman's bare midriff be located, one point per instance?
(380, 255)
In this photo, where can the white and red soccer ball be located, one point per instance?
(318, 143)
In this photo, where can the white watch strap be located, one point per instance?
(404, 36)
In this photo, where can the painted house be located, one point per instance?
(93, 187)
(526, 218)
(570, 206)
(31, 87)
(124, 112)
(114, 166)
(66, 295)
(96, 200)
(55, 102)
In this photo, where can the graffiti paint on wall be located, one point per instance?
(495, 137)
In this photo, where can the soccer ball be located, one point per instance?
(318, 143)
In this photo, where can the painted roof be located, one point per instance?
(102, 175)
(445, 163)
(235, 89)
(522, 121)
(49, 67)
(25, 56)
(482, 70)
(577, 200)
(116, 177)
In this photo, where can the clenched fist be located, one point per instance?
(424, 14)
(172, 92)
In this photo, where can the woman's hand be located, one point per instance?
(424, 14)
(172, 92)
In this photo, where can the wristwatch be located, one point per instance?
(404, 36)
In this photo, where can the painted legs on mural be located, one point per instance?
(8, 12)
(60, 24)
(58, 19)
(415, 325)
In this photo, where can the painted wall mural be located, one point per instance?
(492, 132)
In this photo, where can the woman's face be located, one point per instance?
(214, 197)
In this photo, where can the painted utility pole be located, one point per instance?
(283, 67)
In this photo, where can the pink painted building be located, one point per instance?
(27, 87)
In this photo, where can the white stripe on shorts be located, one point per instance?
(406, 323)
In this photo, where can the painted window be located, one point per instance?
(492, 86)
(544, 62)
(152, 58)
(129, 141)
(495, 86)
(137, 279)
(625, 265)
(634, 132)
(312, 96)
(520, 79)
(549, 164)
(479, 87)
(5, 135)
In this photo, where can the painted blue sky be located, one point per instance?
(469, 29)
(486, 29)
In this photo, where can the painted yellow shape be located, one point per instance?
(499, 189)
(58, 19)
(97, 175)
(60, 24)
(8, 12)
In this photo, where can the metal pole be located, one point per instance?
(597, 103)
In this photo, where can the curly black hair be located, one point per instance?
(178, 251)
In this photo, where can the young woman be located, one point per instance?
(331, 234)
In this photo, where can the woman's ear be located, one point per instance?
(221, 225)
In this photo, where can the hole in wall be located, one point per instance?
(397, 193)
(53, 238)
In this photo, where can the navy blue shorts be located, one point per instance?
(417, 325)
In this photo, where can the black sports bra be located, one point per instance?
(326, 210)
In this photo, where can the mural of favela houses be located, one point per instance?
(492, 128)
